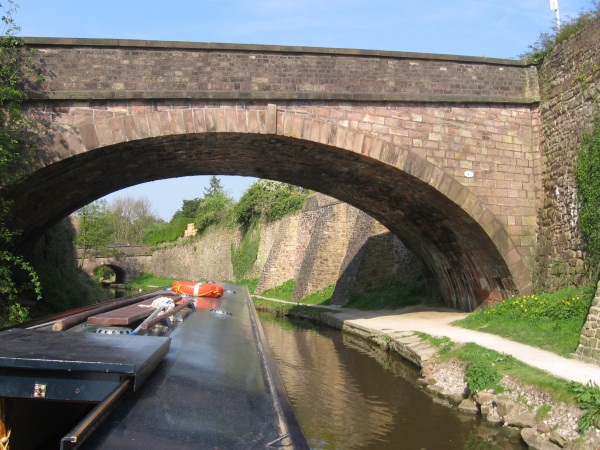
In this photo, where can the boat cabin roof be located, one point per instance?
(207, 382)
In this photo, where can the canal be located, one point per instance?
(349, 394)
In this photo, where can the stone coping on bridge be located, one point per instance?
(274, 96)
(183, 45)
(245, 95)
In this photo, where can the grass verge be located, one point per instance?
(321, 297)
(505, 365)
(552, 321)
(249, 283)
(282, 292)
(149, 281)
(394, 296)
(286, 309)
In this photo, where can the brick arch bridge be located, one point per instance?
(442, 150)
(127, 262)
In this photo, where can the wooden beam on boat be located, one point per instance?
(76, 319)
(127, 315)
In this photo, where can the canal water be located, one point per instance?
(349, 394)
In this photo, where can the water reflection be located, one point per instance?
(350, 395)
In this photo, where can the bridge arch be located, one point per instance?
(466, 249)
(120, 273)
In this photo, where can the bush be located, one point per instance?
(244, 256)
(268, 200)
(547, 41)
(166, 232)
(588, 398)
(481, 377)
(213, 209)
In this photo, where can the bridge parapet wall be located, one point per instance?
(113, 69)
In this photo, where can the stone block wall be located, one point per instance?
(566, 111)
(385, 261)
(204, 258)
(332, 243)
(589, 341)
(111, 68)
(290, 237)
(328, 243)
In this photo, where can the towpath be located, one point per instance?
(438, 323)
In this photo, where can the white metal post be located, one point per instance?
(554, 7)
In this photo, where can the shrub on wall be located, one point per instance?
(547, 41)
(166, 232)
(244, 256)
(269, 200)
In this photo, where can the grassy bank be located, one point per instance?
(491, 363)
(286, 290)
(394, 296)
(552, 321)
(149, 281)
(286, 309)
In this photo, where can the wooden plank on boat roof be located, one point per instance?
(124, 316)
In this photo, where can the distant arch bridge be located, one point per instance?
(128, 262)
(443, 150)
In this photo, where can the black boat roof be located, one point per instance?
(209, 382)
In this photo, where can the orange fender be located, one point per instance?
(197, 289)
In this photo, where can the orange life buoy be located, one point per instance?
(197, 289)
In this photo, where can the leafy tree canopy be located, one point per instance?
(16, 152)
(93, 227)
(215, 207)
(129, 218)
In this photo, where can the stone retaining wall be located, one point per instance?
(589, 341)
(566, 111)
(328, 243)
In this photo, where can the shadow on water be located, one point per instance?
(349, 394)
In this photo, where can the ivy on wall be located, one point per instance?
(244, 255)
(587, 175)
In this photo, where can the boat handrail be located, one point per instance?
(82, 430)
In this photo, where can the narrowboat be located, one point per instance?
(158, 370)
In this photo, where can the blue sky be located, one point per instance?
(492, 28)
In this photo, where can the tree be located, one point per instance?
(93, 228)
(189, 208)
(215, 187)
(16, 152)
(130, 217)
(214, 207)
